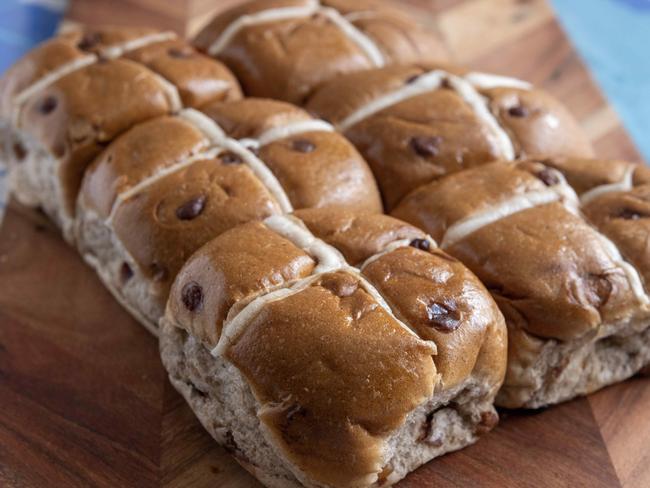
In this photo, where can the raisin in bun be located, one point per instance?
(414, 124)
(283, 49)
(63, 102)
(567, 268)
(331, 349)
(168, 185)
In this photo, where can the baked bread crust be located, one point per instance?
(62, 103)
(283, 49)
(282, 332)
(414, 124)
(580, 323)
(169, 185)
(312, 342)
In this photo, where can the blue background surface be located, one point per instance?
(613, 37)
(24, 23)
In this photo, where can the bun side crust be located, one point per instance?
(543, 372)
(223, 402)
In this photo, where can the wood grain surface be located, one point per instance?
(84, 400)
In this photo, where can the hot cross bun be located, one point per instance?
(327, 348)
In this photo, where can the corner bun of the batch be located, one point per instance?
(328, 348)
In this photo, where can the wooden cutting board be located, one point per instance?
(84, 400)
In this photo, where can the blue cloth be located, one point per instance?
(24, 23)
(613, 37)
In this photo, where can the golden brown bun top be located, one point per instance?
(198, 78)
(355, 90)
(250, 117)
(615, 198)
(161, 226)
(622, 211)
(584, 174)
(316, 168)
(416, 123)
(518, 227)
(442, 203)
(624, 217)
(319, 346)
(303, 43)
(166, 187)
(77, 92)
(138, 155)
(55, 53)
(233, 267)
(357, 237)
